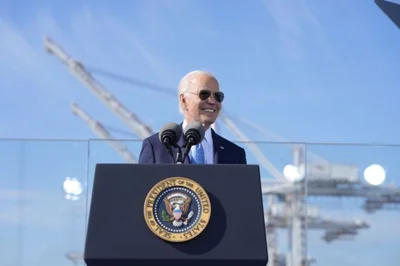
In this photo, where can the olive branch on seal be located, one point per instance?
(165, 216)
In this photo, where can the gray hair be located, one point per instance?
(185, 82)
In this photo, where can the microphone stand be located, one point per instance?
(187, 147)
(179, 159)
(167, 146)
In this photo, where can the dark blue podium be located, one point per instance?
(170, 214)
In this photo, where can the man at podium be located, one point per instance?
(200, 100)
(173, 210)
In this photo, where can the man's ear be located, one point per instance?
(183, 103)
(183, 100)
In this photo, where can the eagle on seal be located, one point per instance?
(177, 206)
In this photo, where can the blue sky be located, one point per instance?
(311, 71)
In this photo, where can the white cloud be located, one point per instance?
(15, 49)
(122, 32)
(297, 26)
(96, 38)
(21, 58)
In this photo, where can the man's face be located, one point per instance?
(197, 106)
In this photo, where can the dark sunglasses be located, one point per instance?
(205, 94)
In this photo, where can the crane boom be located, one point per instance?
(265, 162)
(99, 129)
(274, 136)
(78, 70)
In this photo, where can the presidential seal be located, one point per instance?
(177, 209)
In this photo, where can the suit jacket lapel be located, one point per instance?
(217, 147)
(180, 144)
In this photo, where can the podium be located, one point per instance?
(166, 214)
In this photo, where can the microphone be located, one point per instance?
(169, 136)
(193, 134)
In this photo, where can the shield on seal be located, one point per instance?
(177, 212)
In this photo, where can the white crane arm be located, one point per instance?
(265, 162)
(100, 130)
(99, 91)
(273, 136)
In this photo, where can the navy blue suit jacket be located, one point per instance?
(225, 151)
